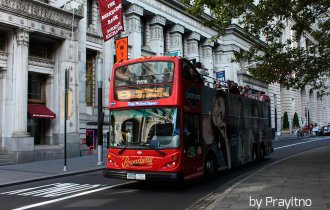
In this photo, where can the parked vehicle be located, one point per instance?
(325, 131)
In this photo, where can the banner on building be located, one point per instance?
(111, 16)
(122, 49)
(221, 77)
(175, 53)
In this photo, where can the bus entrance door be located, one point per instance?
(193, 158)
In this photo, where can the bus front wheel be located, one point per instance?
(209, 166)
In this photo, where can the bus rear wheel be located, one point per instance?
(262, 153)
(254, 155)
(209, 166)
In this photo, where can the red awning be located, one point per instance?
(40, 111)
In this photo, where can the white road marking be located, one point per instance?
(53, 190)
(71, 196)
(290, 145)
(24, 190)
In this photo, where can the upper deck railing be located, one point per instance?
(232, 87)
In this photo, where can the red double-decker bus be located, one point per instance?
(166, 125)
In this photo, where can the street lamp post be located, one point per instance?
(100, 112)
(66, 86)
(275, 117)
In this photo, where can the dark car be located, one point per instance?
(325, 130)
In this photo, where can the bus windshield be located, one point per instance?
(152, 128)
(153, 72)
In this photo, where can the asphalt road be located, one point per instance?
(93, 191)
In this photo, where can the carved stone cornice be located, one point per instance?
(41, 12)
(94, 38)
(248, 79)
(41, 62)
(194, 36)
(3, 56)
(157, 19)
(208, 43)
(172, 9)
(134, 9)
(23, 37)
(3, 60)
(177, 28)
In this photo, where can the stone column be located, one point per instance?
(207, 56)
(223, 57)
(133, 28)
(192, 42)
(21, 145)
(304, 105)
(82, 61)
(50, 104)
(176, 39)
(108, 52)
(157, 34)
(21, 83)
(313, 107)
(2, 104)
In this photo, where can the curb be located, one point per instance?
(293, 138)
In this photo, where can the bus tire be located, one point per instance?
(254, 157)
(262, 152)
(209, 167)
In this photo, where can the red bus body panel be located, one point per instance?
(243, 133)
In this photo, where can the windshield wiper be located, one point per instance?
(122, 150)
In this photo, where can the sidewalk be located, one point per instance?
(298, 182)
(39, 170)
(292, 136)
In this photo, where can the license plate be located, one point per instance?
(136, 176)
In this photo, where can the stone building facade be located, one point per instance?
(40, 39)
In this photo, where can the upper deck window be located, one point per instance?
(144, 80)
(144, 73)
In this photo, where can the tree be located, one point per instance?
(285, 121)
(295, 121)
(293, 65)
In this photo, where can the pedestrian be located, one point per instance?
(89, 140)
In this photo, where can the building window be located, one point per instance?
(143, 32)
(40, 49)
(2, 40)
(89, 13)
(36, 88)
(165, 36)
(90, 69)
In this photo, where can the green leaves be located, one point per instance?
(284, 26)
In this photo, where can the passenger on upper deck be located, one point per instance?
(200, 68)
(193, 75)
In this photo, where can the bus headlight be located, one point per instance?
(171, 164)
